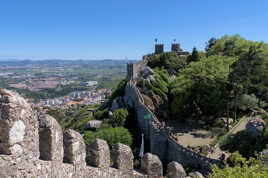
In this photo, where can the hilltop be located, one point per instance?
(199, 97)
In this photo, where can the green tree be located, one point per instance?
(120, 89)
(194, 57)
(119, 118)
(241, 168)
(200, 89)
(111, 135)
(211, 42)
(167, 60)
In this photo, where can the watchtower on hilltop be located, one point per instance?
(175, 47)
(159, 48)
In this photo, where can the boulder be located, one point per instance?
(256, 126)
(123, 157)
(175, 170)
(206, 148)
(93, 125)
(147, 72)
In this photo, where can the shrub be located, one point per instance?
(245, 143)
(119, 118)
(101, 114)
(242, 169)
(111, 135)
(247, 102)
(236, 159)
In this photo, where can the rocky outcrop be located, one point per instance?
(256, 126)
(93, 125)
(147, 72)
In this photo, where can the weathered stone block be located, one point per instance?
(18, 126)
(152, 165)
(74, 148)
(99, 153)
(94, 124)
(175, 170)
(50, 138)
(123, 157)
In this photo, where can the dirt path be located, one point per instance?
(241, 125)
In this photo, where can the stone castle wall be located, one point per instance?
(33, 145)
(162, 142)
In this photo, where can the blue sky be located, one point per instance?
(97, 29)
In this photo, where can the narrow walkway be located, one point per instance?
(241, 125)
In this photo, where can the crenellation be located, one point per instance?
(50, 139)
(18, 126)
(99, 153)
(74, 148)
(152, 165)
(175, 170)
(122, 157)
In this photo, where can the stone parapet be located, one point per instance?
(62, 154)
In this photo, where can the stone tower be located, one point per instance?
(176, 47)
(159, 48)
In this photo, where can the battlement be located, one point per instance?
(33, 145)
(176, 47)
(159, 48)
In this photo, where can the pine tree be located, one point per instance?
(194, 57)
